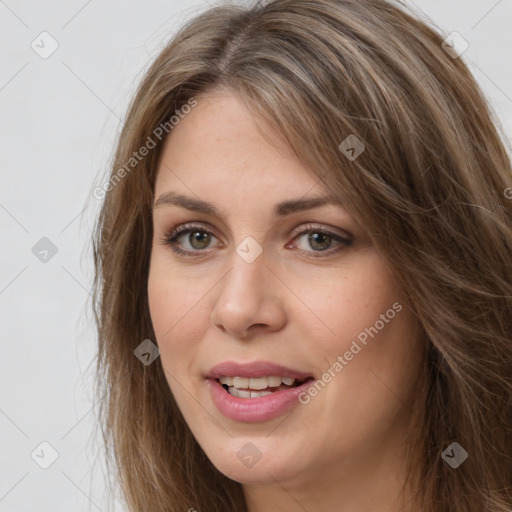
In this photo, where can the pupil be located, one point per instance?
(315, 238)
(199, 239)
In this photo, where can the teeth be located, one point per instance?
(241, 382)
(256, 394)
(240, 393)
(273, 382)
(226, 380)
(256, 383)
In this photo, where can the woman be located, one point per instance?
(308, 215)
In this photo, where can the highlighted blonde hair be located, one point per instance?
(429, 189)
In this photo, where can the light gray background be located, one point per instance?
(58, 123)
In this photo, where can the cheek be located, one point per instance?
(362, 397)
(360, 318)
(175, 308)
(347, 302)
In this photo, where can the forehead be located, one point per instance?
(219, 149)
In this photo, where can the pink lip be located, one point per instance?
(254, 369)
(250, 410)
(263, 408)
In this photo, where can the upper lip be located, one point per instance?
(254, 369)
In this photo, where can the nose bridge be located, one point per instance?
(244, 286)
(246, 296)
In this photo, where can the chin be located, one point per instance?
(246, 464)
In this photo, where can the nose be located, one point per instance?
(249, 300)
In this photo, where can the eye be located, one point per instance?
(188, 239)
(192, 240)
(320, 241)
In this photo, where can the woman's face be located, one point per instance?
(272, 284)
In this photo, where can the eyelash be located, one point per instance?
(171, 238)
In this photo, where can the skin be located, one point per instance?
(344, 449)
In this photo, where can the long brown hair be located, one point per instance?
(429, 188)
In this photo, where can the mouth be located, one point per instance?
(257, 391)
(256, 387)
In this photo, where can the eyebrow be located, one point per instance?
(280, 209)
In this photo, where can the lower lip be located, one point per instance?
(263, 408)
